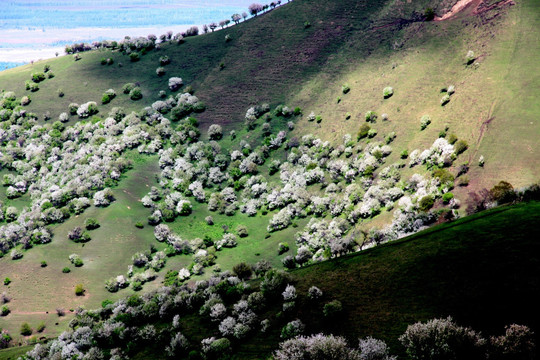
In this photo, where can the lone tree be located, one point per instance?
(255, 8)
(236, 18)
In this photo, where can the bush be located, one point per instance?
(128, 87)
(4, 311)
(38, 77)
(7, 281)
(425, 121)
(283, 247)
(242, 270)
(371, 116)
(460, 147)
(470, 58)
(43, 263)
(426, 202)
(134, 57)
(363, 132)
(388, 92)
(332, 308)
(164, 60)
(160, 71)
(242, 231)
(429, 14)
(26, 330)
(135, 94)
(503, 193)
(447, 197)
(442, 339)
(445, 100)
(292, 329)
(40, 327)
(66, 270)
(319, 347)
(345, 88)
(105, 99)
(91, 224)
(139, 225)
(516, 344)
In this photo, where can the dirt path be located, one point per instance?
(460, 6)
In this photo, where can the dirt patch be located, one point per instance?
(457, 8)
(478, 7)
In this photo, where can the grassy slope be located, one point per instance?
(274, 59)
(478, 269)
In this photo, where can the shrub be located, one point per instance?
(445, 100)
(43, 263)
(503, 193)
(242, 270)
(91, 224)
(481, 161)
(463, 181)
(371, 116)
(164, 60)
(388, 92)
(139, 225)
(516, 343)
(25, 100)
(460, 146)
(363, 132)
(105, 99)
(73, 107)
(332, 308)
(429, 14)
(66, 270)
(228, 38)
(283, 247)
(289, 262)
(134, 57)
(4, 311)
(38, 77)
(426, 202)
(76, 260)
(242, 231)
(26, 330)
(441, 339)
(175, 83)
(79, 290)
(160, 71)
(128, 87)
(215, 132)
(425, 121)
(60, 92)
(292, 329)
(40, 327)
(135, 94)
(470, 58)
(371, 133)
(447, 197)
(345, 88)
(318, 347)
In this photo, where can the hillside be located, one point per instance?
(271, 191)
(460, 269)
